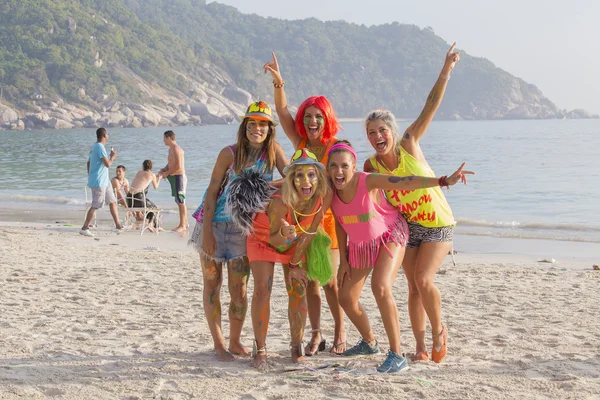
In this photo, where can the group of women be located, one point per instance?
(328, 225)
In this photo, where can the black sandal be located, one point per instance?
(335, 347)
(311, 345)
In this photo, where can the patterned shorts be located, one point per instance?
(420, 234)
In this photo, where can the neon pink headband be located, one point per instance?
(342, 146)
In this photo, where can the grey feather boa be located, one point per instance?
(249, 194)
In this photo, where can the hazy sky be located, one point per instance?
(553, 44)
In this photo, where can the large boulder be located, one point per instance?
(112, 119)
(148, 116)
(237, 95)
(198, 109)
(89, 121)
(38, 119)
(180, 118)
(55, 123)
(7, 115)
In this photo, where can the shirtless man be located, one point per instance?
(174, 171)
(120, 185)
(140, 184)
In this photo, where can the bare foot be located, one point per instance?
(238, 349)
(298, 359)
(151, 229)
(313, 347)
(179, 229)
(224, 355)
(260, 361)
(297, 354)
(339, 343)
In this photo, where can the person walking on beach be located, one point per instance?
(120, 185)
(429, 217)
(218, 240)
(314, 128)
(372, 235)
(282, 234)
(174, 172)
(97, 167)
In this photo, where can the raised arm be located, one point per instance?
(418, 128)
(108, 161)
(224, 160)
(285, 117)
(387, 182)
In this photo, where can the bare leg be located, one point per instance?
(431, 256)
(332, 296)
(260, 310)
(182, 218)
(313, 297)
(416, 312)
(349, 295)
(297, 310)
(88, 218)
(212, 277)
(238, 273)
(114, 211)
(384, 274)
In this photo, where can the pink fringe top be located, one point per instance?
(368, 225)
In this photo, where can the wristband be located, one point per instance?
(278, 86)
(295, 266)
(443, 182)
(445, 77)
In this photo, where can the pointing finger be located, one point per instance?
(452, 48)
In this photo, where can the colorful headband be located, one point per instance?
(342, 146)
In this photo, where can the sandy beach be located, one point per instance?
(120, 317)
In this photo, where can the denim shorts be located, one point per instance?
(421, 234)
(231, 242)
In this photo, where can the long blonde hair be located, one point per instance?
(289, 194)
(241, 153)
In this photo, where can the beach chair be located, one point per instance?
(143, 209)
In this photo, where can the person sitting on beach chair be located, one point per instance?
(120, 185)
(139, 188)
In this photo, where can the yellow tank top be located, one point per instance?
(426, 207)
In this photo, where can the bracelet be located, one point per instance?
(445, 77)
(278, 86)
(281, 234)
(443, 182)
(295, 266)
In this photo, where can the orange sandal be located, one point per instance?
(421, 356)
(438, 356)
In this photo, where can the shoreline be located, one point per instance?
(569, 253)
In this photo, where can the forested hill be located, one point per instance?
(67, 63)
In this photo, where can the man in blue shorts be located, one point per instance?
(102, 192)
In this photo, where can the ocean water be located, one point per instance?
(534, 179)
